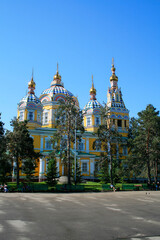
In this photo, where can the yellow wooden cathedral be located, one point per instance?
(40, 112)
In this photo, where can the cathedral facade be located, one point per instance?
(40, 113)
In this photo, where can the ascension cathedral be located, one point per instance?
(39, 111)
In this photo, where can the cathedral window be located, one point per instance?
(97, 121)
(21, 116)
(46, 117)
(30, 116)
(48, 144)
(81, 145)
(84, 167)
(97, 145)
(88, 121)
(38, 117)
(119, 123)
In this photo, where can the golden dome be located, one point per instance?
(31, 84)
(92, 90)
(113, 69)
(57, 75)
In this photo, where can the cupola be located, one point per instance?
(92, 117)
(30, 107)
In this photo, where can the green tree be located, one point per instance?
(28, 167)
(156, 155)
(144, 142)
(5, 161)
(68, 117)
(108, 139)
(78, 172)
(20, 144)
(52, 170)
(102, 171)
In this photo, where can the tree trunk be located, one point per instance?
(111, 167)
(17, 177)
(148, 160)
(68, 151)
(156, 171)
(149, 171)
(111, 170)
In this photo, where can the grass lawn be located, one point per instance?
(88, 186)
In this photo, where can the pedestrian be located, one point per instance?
(5, 188)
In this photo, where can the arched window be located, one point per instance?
(48, 144)
(30, 115)
(89, 121)
(21, 116)
(97, 121)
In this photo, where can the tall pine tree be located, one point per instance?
(144, 142)
(68, 117)
(20, 144)
(52, 170)
(5, 161)
(108, 139)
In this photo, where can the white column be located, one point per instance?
(87, 145)
(41, 169)
(92, 166)
(13, 173)
(57, 160)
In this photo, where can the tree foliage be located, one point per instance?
(108, 139)
(68, 117)
(78, 172)
(52, 170)
(20, 145)
(102, 169)
(28, 167)
(5, 161)
(144, 142)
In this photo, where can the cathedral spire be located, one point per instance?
(57, 67)
(57, 75)
(93, 91)
(31, 85)
(113, 78)
(56, 78)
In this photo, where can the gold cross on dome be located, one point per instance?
(113, 61)
(57, 66)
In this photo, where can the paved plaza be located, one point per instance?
(78, 216)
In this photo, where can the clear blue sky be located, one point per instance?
(82, 36)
